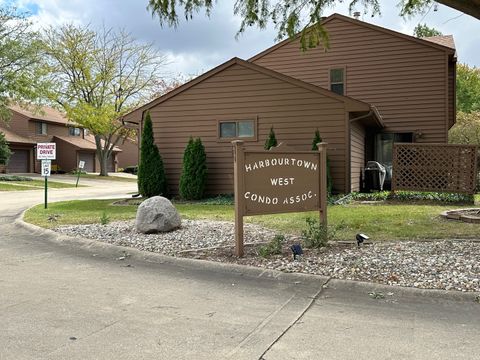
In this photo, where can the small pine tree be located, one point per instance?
(271, 141)
(151, 172)
(318, 139)
(194, 171)
(5, 152)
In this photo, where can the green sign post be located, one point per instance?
(81, 166)
(46, 171)
(46, 152)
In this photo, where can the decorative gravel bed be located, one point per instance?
(442, 264)
(192, 235)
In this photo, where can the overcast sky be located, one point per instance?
(198, 45)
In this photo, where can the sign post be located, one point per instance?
(239, 159)
(46, 171)
(81, 166)
(46, 152)
(278, 181)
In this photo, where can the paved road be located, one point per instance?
(61, 300)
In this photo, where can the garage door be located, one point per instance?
(18, 161)
(111, 164)
(89, 159)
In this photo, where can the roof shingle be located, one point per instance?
(14, 138)
(444, 40)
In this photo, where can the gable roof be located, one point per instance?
(425, 42)
(44, 113)
(351, 104)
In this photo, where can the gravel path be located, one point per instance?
(443, 264)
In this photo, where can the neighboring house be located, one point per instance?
(27, 127)
(372, 87)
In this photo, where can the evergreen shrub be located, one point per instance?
(151, 172)
(194, 171)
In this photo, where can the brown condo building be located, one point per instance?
(371, 88)
(29, 126)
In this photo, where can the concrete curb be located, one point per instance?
(115, 251)
(400, 291)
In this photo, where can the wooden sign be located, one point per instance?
(278, 181)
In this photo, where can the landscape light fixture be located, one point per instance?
(296, 250)
(361, 238)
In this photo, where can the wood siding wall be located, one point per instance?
(239, 93)
(452, 104)
(357, 154)
(52, 130)
(407, 81)
(129, 154)
(66, 156)
(19, 124)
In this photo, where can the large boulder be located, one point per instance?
(157, 214)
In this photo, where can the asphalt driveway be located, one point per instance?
(62, 299)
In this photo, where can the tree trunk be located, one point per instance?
(103, 163)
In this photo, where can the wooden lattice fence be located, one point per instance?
(434, 167)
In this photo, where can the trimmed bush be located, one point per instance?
(194, 172)
(5, 152)
(151, 173)
(15, 178)
(271, 141)
(318, 139)
(131, 170)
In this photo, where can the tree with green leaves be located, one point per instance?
(293, 16)
(151, 172)
(194, 171)
(468, 88)
(5, 152)
(97, 77)
(271, 140)
(21, 70)
(466, 130)
(422, 30)
(318, 139)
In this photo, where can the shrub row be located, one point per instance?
(151, 172)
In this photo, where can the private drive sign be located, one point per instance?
(278, 181)
(46, 151)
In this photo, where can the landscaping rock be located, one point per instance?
(436, 264)
(157, 214)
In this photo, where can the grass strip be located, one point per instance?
(379, 221)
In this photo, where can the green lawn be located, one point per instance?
(110, 178)
(32, 185)
(380, 221)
